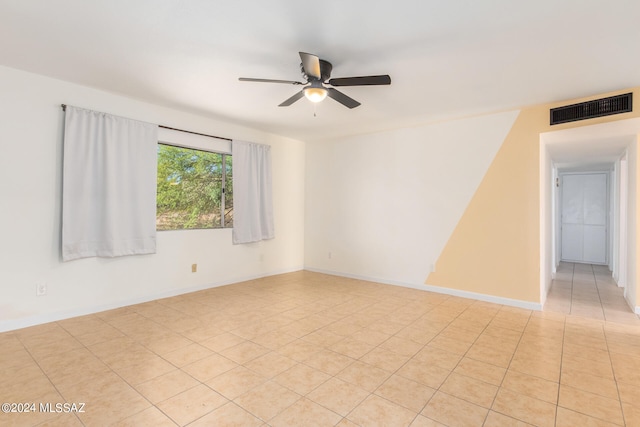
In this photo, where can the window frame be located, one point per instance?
(199, 142)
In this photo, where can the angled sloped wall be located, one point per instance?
(495, 247)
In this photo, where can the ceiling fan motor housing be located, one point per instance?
(325, 71)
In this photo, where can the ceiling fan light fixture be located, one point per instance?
(315, 94)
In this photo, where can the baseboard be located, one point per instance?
(25, 322)
(440, 290)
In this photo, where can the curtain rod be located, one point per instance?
(64, 108)
(195, 133)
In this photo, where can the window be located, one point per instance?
(194, 189)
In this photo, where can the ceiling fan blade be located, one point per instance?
(293, 99)
(248, 79)
(361, 81)
(342, 98)
(311, 65)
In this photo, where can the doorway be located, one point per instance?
(588, 149)
(584, 217)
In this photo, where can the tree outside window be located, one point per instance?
(194, 189)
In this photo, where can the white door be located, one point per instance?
(584, 218)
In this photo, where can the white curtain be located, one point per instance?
(109, 185)
(252, 203)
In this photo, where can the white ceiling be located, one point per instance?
(591, 147)
(446, 58)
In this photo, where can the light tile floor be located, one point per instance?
(307, 349)
(589, 291)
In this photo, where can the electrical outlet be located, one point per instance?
(329, 255)
(194, 268)
(41, 289)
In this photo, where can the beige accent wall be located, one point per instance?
(495, 248)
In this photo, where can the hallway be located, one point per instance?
(588, 290)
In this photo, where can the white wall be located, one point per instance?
(383, 205)
(547, 238)
(632, 225)
(30, 185)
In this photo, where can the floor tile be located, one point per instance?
(422, 421)
(450, 344)
(385, 359)
(601, 369)
(339, 396)
(537, 367)
(631, 414)
(305, 413)
(236, 382)
(267, 400)
(531, 386)
(150, 369)
(450, 410)
(188, 354)
(228, 415)
(496, 419)
(111, 406)
(424, 373)
(299, 350)
(370, 336)
(363, 375)
(165, 386)
(209, 367)
(270, 364)
(381, 412)
(591, 404)
(592, 383)
(417, 334)
(524, 408)
(301, 378)
(274, 339)
(150, 417)
(625, 368)
(404, 392)
(401, 346)
(351, 347)
(493, 355)
(470, 389)
(329, 361)
(191, 404)
(629, 393)
(569, 418)
(223, 341)
(481, 371)
(244, 352)
(438, 357)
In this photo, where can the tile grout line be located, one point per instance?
(615, 379)
(507, 370)
(564, 329)
(398, 369)
(573, 272)
(595, 282)
(43, 371)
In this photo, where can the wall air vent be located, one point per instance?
(592, 109)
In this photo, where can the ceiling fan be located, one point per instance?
(317, 72)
